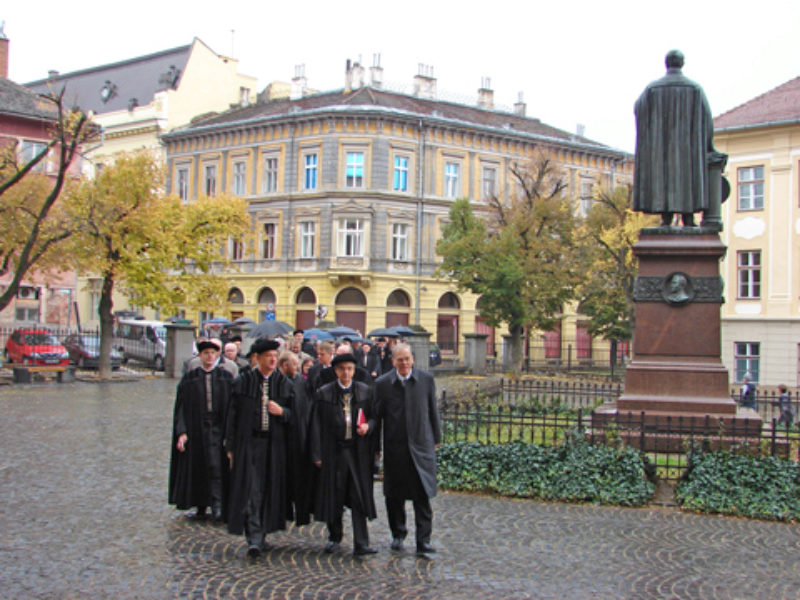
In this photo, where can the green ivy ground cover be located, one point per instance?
(576, 471)
(736, 484)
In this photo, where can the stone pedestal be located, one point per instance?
(475, 352)
(508, 361)
(676, 369)
(180, 339)
(420, 344)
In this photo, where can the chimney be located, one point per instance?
(376, 72)
(299, 83)
(358, 74)
(580, 129)
(425, 82)
(520, 106)
(486, 93)
(3, 52)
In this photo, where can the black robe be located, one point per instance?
(409, 418)
(188, 470)
(245, 403)
(301, 470)
(327, 427)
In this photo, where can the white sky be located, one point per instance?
(576, 61)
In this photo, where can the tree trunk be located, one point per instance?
(106, 327)
(516, 332)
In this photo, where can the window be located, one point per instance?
(400, 183)
(183, 183)
(489, 182)
(26, 313)
(270, 175)
(399, 241)
(746, 359)
(354, 170)
(307, 235)
(30, 150)
(749, 267)
(586, 197)
(239, 174)
(451, 177)
(751, 188)
(269, 241)
(237, 250)
(211, 180)
(351, 237)
(310, 172)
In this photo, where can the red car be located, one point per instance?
(33, 346)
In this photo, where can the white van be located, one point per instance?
(144, 341)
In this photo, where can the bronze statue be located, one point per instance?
(677, 170)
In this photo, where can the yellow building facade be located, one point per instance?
(349, 191)
(761, 316)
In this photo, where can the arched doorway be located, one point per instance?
(305, 314)
(397, 305)
(235, 296)
(447, 323)
(351, 309)
(267, 303)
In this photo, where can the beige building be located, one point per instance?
(349, 190)
(761, 316)
(136, 101)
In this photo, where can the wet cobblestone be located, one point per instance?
(83, 514)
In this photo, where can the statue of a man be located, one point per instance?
(674, 130)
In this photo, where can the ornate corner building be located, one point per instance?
(349, 190)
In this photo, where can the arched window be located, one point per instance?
(306, 296)
(235, 296)
(449, 300)
(266, 296)
(351, 296)
(398, 298)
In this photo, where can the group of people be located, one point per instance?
(294, 434)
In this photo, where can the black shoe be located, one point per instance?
(397, 544)
(217, 514)
(362, 550)
(254, 550)
(331, 547)
(425, 548)
(200, 514)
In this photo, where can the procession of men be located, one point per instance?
(293, 433)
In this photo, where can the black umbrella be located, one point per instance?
(342, 331)
(382, 332)
(269, 329)
(244, 321)
(402, 330)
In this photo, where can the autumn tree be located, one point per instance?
(522, 259)
(152, 247)
(609, 232)
(31, 224)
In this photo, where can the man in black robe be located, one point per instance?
(341, 449)
(406, 411)
(198, 470)
(256, 443)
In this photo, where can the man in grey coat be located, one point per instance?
(405, 407)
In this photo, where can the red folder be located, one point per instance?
(361, 418)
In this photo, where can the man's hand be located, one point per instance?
(274, 408)
(182, 439)
(363, 429)
(230, 459)
(318, 463)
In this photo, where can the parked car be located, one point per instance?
(435, 355)
(35, 346)
(84, 351)
(144, 341)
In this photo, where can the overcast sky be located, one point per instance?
(574, 61)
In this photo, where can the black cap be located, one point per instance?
(263, 345)
(207, 344)
(343, 358)
(235, 338)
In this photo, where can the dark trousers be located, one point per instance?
(257, 494)
(346, 494)
(423, 518)
(212, 446)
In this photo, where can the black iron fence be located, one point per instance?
(542, 412)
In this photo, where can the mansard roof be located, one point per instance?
(18, 101)
(374, 101)
(115, 86)
(780, 105)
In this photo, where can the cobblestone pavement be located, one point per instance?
(83, 514)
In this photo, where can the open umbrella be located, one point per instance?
(316, 334)
(269, 329)
(217, 321)
(402, 330)
(341, 331)
(244, 321)
(382, 332)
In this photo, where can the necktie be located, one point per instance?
(209, 406)
(348, 417)
(264, 402)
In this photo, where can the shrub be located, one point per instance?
(576, 471)
(734, 483)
